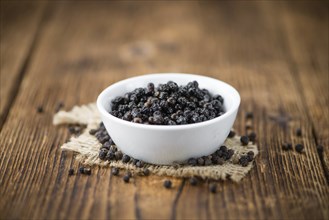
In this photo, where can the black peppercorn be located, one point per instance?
(139, 164)
(229, 154)
(244, 140)
(113, 149)
(115, 171)
(40, 109)
(146, 171)
(193, 181)
(107, 145)
(167, 184)
(299, 148)
(102, 154)
(93, 131)
(192, 161)
(110, 156)
(231, 134)
(140, 104)
(249, 115)
(244, 160)
(125, 158)
(118, 155)
(71, 129)
(223, 148)
(319, 148)
(286, 146)
(213, 188)
(299, 132)
(252, 136)
(251, 154)
(71, 172)
(126, 178)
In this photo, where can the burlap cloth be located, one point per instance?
(87, 147)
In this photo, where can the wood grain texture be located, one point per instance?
(19, 25)
(255, 46)
(309, 58)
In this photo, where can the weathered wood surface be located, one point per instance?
(19, 25)
(274, 53)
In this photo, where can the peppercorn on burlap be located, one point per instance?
(87, 148)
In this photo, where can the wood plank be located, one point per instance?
(19, 24)
(93, 45)
(310, 57)
(280, 179)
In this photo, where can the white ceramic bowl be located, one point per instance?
(165, 144)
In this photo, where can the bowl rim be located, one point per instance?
(102, 110)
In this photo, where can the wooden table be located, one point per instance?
(274, 53)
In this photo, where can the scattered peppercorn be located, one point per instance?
(167, 184)
(71, 172)
(249, 115)
(102, 154)
(118, 155)
(299, 132)
(299, 148)
(71, 129)
(231, 134)
(213, 188)
(252, 136)
(251, 153)
(75, 129)
(244, 140)
(146, 171)
(81, 170)
(115, 171)
(319, 148)
(250, 156)
(193, 181)
(110, 156)
(126, 178)
(230, 153)
(223, 148)
(125, 158)
(40, 109)
(139, 164)
(109, 152)
(286, 146)
(92, 131)
(244, 160)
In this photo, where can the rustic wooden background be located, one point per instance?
(274, 53)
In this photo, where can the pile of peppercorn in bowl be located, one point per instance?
(168, 118)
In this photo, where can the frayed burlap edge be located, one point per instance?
(87, 147)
